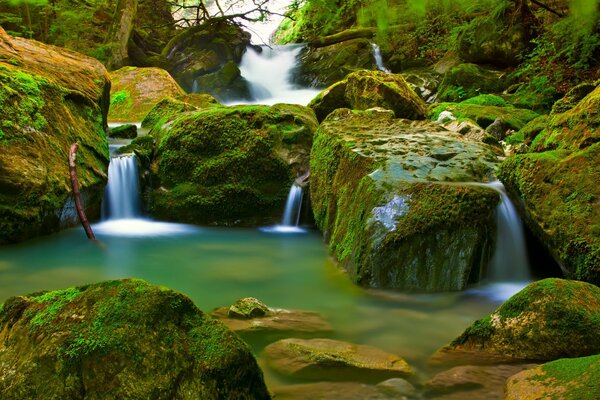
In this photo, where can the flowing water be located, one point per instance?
(378, 58)
(269, 74)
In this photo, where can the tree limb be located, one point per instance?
(77, 194)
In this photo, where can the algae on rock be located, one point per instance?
(120, 339)
(386, 195)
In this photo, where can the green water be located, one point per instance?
(215, 267)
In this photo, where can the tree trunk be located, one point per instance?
(77, 193)
(119, 33)
(348, 34)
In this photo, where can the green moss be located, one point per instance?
(482, 329)
(119, 97)
(52, 303)
(579, 378)
(487, 100)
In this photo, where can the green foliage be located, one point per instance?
(52, 303)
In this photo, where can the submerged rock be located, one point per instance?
(558, 182)
(50, 98)
(380, 194)
(120, 339)
(549, 319)
(566, 379)
(135, 91)
(251, 315)
(229, 165)
(334, 360)
(362, 90)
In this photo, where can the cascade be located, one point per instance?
(509, 262)
(269, 74)
(378, 58)
(121, 196)
(293, 205)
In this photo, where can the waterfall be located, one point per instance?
(269, 74)
(509, 262)
(121, 196)
(293, 205)
(378, 58)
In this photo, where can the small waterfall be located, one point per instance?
(121, 196)
(293, 205)
(378, 58)
(269, 73)
(509, 262)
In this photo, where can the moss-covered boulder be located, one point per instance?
(332, 360)
(127, 131)
(323, 66)
(566, 379)
(549, 319)
(364, 89)
(469, 80)
(557, 182)
(50, 98)
(135, 91)
(229, 165)
(225, 84)
(169, 107)
(204, 49)
(380, 196)
(120, 339)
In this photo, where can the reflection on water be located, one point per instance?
(215, 267)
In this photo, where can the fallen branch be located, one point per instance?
(77, 193)
(349, 34)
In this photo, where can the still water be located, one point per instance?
(216, 266)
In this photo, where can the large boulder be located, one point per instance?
(557, 182)
(380, 196)
(120, 339)
(547, 320)
(50, 98)
(468, 80)
(229, 165)
(323, 66)
(333, 360)
(566, 379)
(135, 91)
(204, 49)
(367, 89)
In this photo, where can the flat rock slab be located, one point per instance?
(277, 320)
(334, 360)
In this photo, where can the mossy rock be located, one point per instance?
(379, 196)
(469, 80)
(229, 165)
(549, 319)
(572, 97)
(169, 107)
(323, 66)
(225, 84)
(50, 98)
(127, 131)
(135, 91)
(364, 89)
(121, 339)
(565, 379)
(204, 49)
(484, 110)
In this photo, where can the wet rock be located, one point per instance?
(225, 84)
(120, 339)
(473, 382)
(498, 129)
(549, 319)
(334, 360)
(424, 81)
(567, 379)
(398, 388)
(50, 98)
(362, 90)
(332, 391)
(378, 195)
(467, 128)
(127, 131)
(251, 315)
(135, 91)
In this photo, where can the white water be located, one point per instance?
(378, 58)
(269, 76)
(291, 215)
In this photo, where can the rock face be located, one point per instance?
(567, 379)
(362, 90)
(331, 360)
(50, 98)
(135, 91)
(557, 182)
(229, 165)
(120, 339)
(251, 315)
(323, 66)
(549, 319)
(379, 195)
(205, 49)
